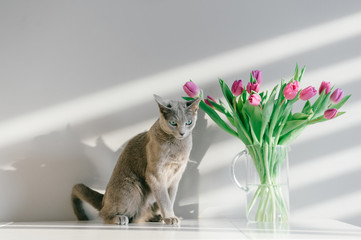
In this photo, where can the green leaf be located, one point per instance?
(239, 105)
(254, 114)
(262, 95)
(252, 79)
(318, 101)
(254, 137)
(244, 96)
(226, 93)
(222, 109)
(188, 98)
(295, 76)
(267, 111)
(291, 125)
(282, 121)
(341, 103)
(281, 97)
(216, 118)
(300, 116)
(241, 114)
(301, 75)
(276, 110)
(291, 136)
(322, 106)
(242, 134)
(307, 108)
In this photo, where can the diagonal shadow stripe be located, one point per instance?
(331, 143)
(325, 190)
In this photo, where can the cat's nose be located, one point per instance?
(181, 133)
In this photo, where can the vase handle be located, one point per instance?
(240, 155)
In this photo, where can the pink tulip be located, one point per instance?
(308, 93)
(330, 113)
(237, 88)
(257, 74)
(191, 89)
(336, 96)
(253, 87)
(291, 90)
(325, 86)
(255, 99)
(208, 102)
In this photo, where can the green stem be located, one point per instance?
(268, 200)
(254, 199)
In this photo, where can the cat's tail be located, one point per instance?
(83, 193)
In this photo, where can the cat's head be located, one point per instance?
(177, 118)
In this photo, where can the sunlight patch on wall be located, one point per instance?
(115, 139)
(8, 167)
(343, 72)
(121, 97)
(342, 163)
(327, 208)
(216, 157)
(225, 202)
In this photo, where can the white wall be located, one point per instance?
(77, 79)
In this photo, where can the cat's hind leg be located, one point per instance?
(156, 215)
(150, 212)
(122, 204)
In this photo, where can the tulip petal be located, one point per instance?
(341, 103)
(330, 113)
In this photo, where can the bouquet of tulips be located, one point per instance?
(265, 120)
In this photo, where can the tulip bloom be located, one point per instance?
(330, 113)
(208, 102)
(336, 96)
(237, 88)
(325, 86)
(191, 89)
(257, 74)
(253, 87)
(291, 90)
(308, 93)
(255, 99)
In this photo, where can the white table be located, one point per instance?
(189, 229)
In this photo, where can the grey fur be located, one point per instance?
(145, 179)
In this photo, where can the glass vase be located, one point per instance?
(266, 187)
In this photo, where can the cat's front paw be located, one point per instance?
(171, 221)
(122, 220)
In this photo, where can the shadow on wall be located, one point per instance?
(42, 180)
(187, 201)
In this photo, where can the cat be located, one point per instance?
(145, 179)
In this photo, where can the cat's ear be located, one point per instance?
(193, 105)
(163, 104)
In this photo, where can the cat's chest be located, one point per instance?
(175, 151)
(173, 158)
(170, 155)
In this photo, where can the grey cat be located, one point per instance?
(145, 180)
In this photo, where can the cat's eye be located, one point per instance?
(172, 123)
(189, 122)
